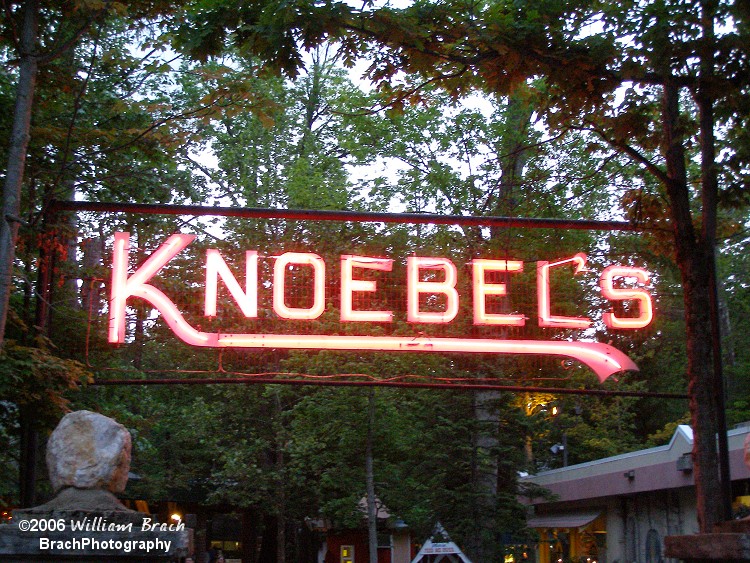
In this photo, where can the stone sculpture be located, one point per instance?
(88, 450)
(88, 458)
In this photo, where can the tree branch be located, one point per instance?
(629, 150)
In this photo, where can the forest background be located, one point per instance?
(559, 110)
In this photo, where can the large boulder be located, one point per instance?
(88, 450)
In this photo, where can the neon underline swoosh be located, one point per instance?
(603, 359)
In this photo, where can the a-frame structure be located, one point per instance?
(440, 549)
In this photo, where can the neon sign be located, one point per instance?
(603, 359)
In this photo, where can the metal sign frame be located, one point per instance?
(348, 216)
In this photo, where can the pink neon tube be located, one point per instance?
(603, 359)
(217, 268)
(279, 285)
(481, 289)
(416, 287)
(135, 285)
(543, 294)
(645, 307)
(349, 285)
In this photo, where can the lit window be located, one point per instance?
(347, 554)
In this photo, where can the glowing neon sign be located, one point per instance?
(603, 359)
(349, 285)
(482, 289)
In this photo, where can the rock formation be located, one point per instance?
(88, 450)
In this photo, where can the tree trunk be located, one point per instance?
(281, 507)
(514, 154)
(281, 539)
(29, 447)
(709, 200)
(485, 474)
(44, 285)
(249, 535)
(512, 158)
(19, 142)
(372, 509)
(269, 541)
(703, 412)
(92, 261)
(694, 255)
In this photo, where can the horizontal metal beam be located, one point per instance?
(411, 384)
(352, 216)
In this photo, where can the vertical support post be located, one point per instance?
(544, 547)
(719, 393)
(372, 514)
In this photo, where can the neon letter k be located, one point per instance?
(124, 287)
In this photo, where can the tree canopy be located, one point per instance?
(651, 79)
(634, 110)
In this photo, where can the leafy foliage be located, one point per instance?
(573, 127)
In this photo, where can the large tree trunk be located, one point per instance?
(481, 545)
(694, 257)
(10, 221)
(19, 142)
(709, 201)
(703, 412)
(512, 158)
